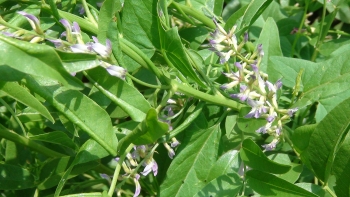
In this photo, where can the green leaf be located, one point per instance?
(252, 156)
(253, 11)
(188, 171)
(125, 96)
(79, 109)
(341, 168)
(224, 185)
(107, 12)
(52, 171)
(269, 185)
(301, 137)
(327, 138)
(206, 6)
(55, 137)
(19, 93)
(89, 151)
(269, 38)
(172, 49)
(288, 69)
(94, 194)
(36, 59)
(76, 62)
(15, 178)
(140, 25)
(331, 78)
(152, 127)
(316, 189)
(227, 163)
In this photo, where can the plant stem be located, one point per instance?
(146, 84)
(195, 14)
(88, 13)
(117, 169)
(8, 107)
(14, 137)
(300, 27)
(320, 39)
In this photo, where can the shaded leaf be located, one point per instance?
(269, 185)
(55, 137)
(21, 94)
(186, 175)
(37, 60)
(14, 178)
(253, 156)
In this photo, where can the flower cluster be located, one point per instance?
(254, 88)
(142, 154)
(74, 42)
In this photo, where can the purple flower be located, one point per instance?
(80, 48)
(34, 21)
(150, 166)
(174, 142)
(291, 112)
(258, 108)
(271, 145)
(137, 184)
(260, 50)
(235, 77)
(139, 152)
(117, 71)
(264, 129)
(104, 51)
(274, 87)
(57, 42)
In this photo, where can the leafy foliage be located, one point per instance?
(174, 98)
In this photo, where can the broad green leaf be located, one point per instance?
(327, 138)
(288, 69)
(301, 137)
(227, 163)
(269, 185)
(236, 18)
(14, 178)
(55, 137)
(293, 174)
(329, 47)
(107, 12)
(341, 168)
(52, 171)
(140, 25)
(125, 96)
(188, 171)
(36, 59)
(154, 129)
(79, 109)
(269, 38)
(224, 185)
(316, 189)
(173, 50)
(194, 35)
(253, 11)
(328, 85)
(21, 94)
(76, 62)
(253, 156)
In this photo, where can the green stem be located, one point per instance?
(300, 27)
(12, 136)
(88, 13)
(195, 14)
(329, 191)
(117, 170)
(181, 77)
(146, 84)
(319, 40)
(222, 101)
(8, 107)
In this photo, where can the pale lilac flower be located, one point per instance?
(150, 165)
(105, 176)
(137, 184)
(57, 42)
(174, 142)
(265, 128)
(235, 80)
(81, 48)
(139, 152)
(33, 20)
(260, 50)
(258, 108)
(245, 93)
(117, 71)
(246, 37)
(104, 51)
(171, 152)
(291, 112)
(274, 87)
(271, 145)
